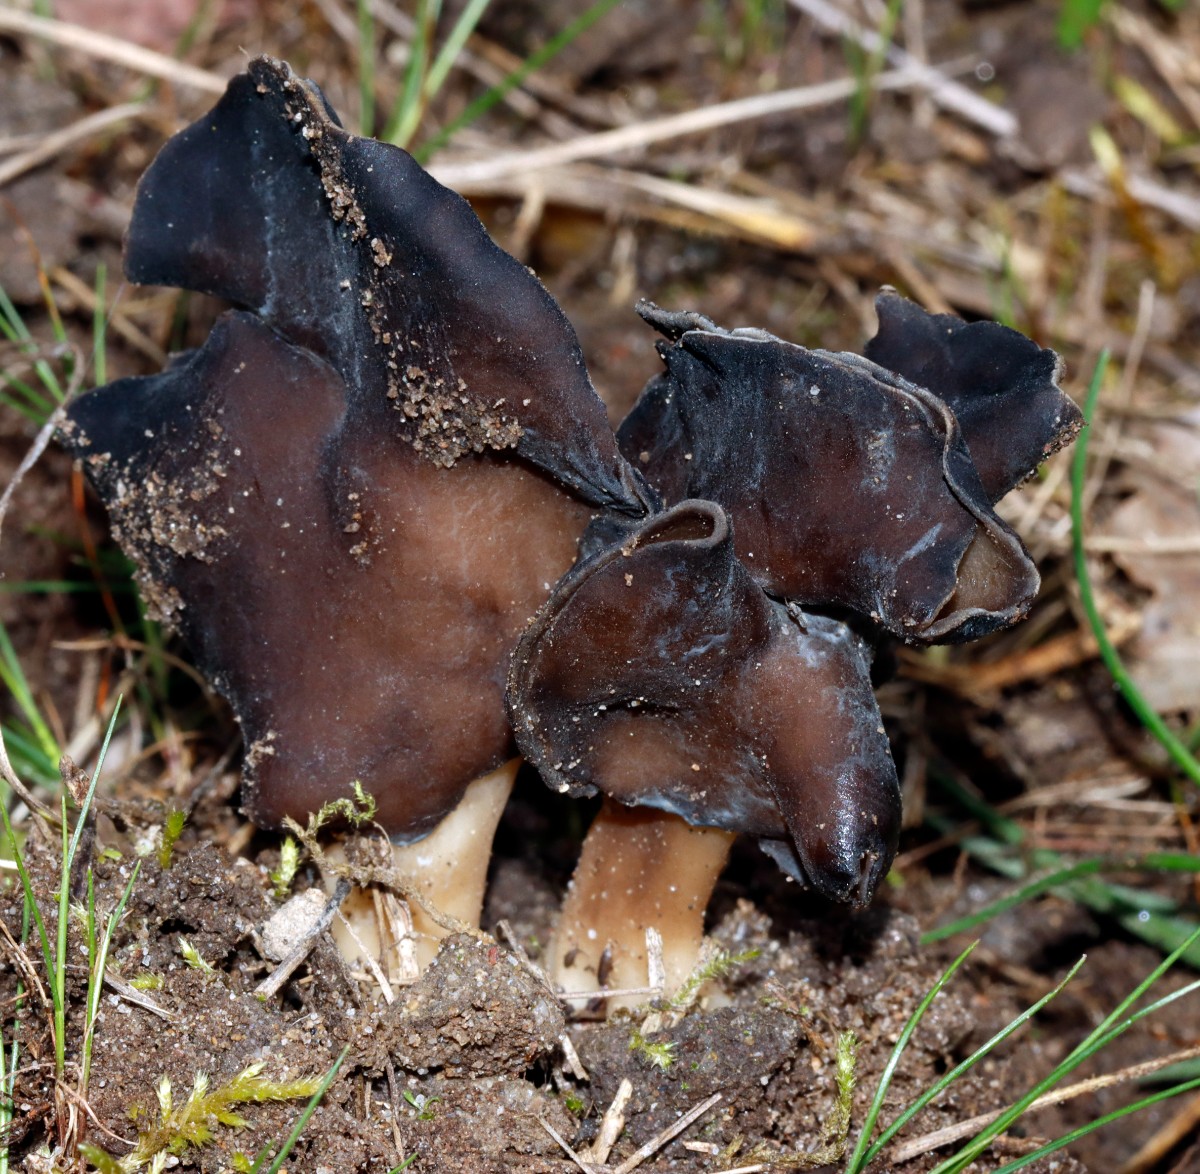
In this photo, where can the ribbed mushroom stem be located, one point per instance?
(640, 868)
(448, 868)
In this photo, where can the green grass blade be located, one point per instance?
(27, 756)
(85, 806)
(857, 1158)
(944, 1082)
(1100, 1037)
(100, 327)
(31, 904)
(1134, 899)
(58, 587)
(1142, 914)
(30, 403)
(13, 678)
(14, 328)
(406, 114)
(1112, 660)
(99, 961)
(455, 42)
(531, 64)
(366, 67)
(1084, 1130)
(302, 1120)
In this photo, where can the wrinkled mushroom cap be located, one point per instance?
(348, 247)
(848, 485)
(353, 496)
(1001, 386)
(660, 673)
(355, 603)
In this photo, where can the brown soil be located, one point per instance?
(460, 1070)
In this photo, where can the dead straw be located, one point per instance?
(106, 48)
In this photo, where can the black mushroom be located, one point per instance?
(353, 496)
(695, 667)
(662, 674)
(848, 484)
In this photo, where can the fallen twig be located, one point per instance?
(135, 57)
(656, 1143)
(943, 91)
(673, 126)
(908, 1150)
(272, 983)
(59, 140)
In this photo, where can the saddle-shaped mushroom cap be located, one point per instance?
(1002, 386)
(353, 496)
(354, 602)
(660, 673)
(346, 246)
(848, 485)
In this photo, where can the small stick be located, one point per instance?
(389, 996)
(566, 1148)
(132, 995)
(275, 980)
(642, 134)
(612, 1124)
(73, 36)
(948, 94)
(940, 1137)
(504, 929)
(59, 140)
(394, 1097)
(609, 993)
(655, 966)
(572, 1058)
(656, 1143)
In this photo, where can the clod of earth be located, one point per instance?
(353, 496)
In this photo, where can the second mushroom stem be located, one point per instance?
(640, 868)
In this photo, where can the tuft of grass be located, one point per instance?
(1104, 1034)
(54, 956)
(1143, 913)
(530, 65)
(97, 952)
(1113, 1026)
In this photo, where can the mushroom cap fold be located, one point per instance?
(348, 247)
(660, 673)
(1002, 386)
(354, 602)
(848, 485)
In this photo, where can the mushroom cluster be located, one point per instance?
(384, 507)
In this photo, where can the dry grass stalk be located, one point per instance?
(906, 1151)
(106, 48)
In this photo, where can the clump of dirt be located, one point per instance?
(475, 1012)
